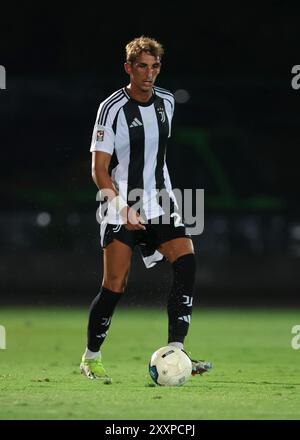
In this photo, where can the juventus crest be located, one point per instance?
(162, 114)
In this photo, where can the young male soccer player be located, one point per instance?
(128, 153)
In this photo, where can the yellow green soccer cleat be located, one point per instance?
(93, 369)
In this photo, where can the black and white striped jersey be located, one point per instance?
(136, 135)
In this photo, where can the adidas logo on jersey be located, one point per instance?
(136, 123)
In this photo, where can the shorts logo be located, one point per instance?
(100, 135)
(117, 228)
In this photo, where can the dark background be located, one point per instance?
(237, 137)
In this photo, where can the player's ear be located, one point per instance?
(127, 67)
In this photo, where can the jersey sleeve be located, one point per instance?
(172, 105)
(103, 138)
(172, 108)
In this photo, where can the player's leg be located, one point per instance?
(180, 253)
(176, 248)
(116, 265)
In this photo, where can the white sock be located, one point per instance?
(88, 354)
(176, 344)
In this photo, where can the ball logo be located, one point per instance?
(170, 366)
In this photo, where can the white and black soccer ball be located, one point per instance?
(170, 366)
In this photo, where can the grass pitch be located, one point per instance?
(256, 372)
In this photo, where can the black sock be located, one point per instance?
(101, 311)
(181, 297)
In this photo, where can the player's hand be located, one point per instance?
(133, 220)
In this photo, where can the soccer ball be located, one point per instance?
(170, 366)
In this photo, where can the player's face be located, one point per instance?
(143, 71)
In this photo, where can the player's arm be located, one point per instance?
(100, 174)
(101, 177)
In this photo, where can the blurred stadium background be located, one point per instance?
(235, 134)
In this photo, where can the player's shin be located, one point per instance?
(180, 300)
(101, 311)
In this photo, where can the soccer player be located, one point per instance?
(128, 153)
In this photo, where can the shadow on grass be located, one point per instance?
(288, 385)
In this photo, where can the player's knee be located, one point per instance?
(185, 265)
(186, 260)
(116, 283)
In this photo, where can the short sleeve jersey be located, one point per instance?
(136, 135)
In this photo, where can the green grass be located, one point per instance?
(256, 372)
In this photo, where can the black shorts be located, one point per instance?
(147, 240)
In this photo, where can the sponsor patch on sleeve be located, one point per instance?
(100, 135)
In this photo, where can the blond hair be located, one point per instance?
(143, 44)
